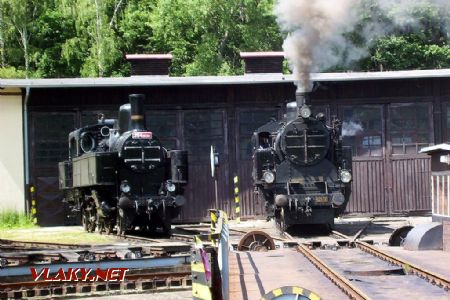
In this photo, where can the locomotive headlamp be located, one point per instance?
(346, 176)
(305, 112)
(338, 199)
(269, 177)
(125, 187)
(170, 186)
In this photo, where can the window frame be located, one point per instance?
(429, 130)
(223, 156)
(237, 128)
(43, 166)
(382, 131)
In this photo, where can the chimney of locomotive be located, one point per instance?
(302, 96)
(137, 111)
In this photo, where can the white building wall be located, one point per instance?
(12, 195)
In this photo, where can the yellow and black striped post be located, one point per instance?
(214, 217)
(33, 204)
(237, 199)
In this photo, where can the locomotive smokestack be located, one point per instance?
(302, 95)
(137, 111)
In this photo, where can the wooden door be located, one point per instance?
(363, 130)
(410, 128)
(389, 175)
(49, 145)
(200, 130)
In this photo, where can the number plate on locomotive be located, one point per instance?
(321, 199)
(143, 135)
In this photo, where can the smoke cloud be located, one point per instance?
(351, 128)
(316, 29)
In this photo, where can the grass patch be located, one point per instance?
(19, 226)
(14, 219)
(60, 234)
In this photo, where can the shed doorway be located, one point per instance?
(390, 176)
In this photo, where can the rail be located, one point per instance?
(407, 266)
(341, 282)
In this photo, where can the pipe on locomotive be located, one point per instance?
(137, 117)
(302, 96)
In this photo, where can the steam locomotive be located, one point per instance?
(300, 168)
(119, 173)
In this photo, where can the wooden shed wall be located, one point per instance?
(386, 181)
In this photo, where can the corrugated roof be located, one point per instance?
(216, 80)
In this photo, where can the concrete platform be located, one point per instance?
(252, 274)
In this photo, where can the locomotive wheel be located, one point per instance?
(89, 220)
(256, 241)
(281, 221)
(109, 228)
(122, 223)
(101, 224)
(166, 227)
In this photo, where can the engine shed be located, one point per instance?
(388, 117)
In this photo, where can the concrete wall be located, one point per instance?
(11, 151)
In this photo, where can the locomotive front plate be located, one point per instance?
(143, 135)
(321, 199)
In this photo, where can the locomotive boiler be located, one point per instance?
(300, 168)
(119, 174)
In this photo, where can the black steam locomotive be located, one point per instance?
(300, 168)
(119, 173)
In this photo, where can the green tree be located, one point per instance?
(94, 50)
(135, 26)
(21, 14)
(408, 52)
(2, 35)
(416, 37)
(206, 36)
(55, 29)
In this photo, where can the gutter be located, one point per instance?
(26, 150)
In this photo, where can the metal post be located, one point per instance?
(237, 199)
(33, 204)
(216, 192)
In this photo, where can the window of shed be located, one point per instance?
(362, 129)
(448, 123)
(50, 137)
(410, 125)
(164, 126)
(249, 121)
(201, 130)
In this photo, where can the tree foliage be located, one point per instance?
(89, 38)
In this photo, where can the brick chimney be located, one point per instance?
(149, 64)
(263, 62)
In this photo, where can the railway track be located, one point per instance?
(376, 271)
(152, 264)
(341, 282)
(409, 267)
(169, 279)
